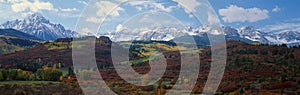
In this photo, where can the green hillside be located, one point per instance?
(13, 40)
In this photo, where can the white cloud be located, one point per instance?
(82, 2)
(86, 31)
(139, 8)
(135, 3)
(105, 8)
(111, 8)
(281, 27)
(151, 20)
(94, 19)
(6, 13)
(188, 5)
(24, 14)
(212, 18)
(296, 19)
(276, 9)
(151, 5)
(35, 6)
(120, 27)
(163, 8)
(14, 1)
(191, 15)
(68, 9)
(234, 13)
(1, 1)
(23, 8)
(67, 15)
(108, 8)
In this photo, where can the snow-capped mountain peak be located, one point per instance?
(37, 25)
(248, 33)
(251, 33)
(37, 17)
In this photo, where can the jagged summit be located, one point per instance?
(37, 17)
(248, 33)
(37, 25)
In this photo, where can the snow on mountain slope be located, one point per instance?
(39, 26)
(287, 37)
(158, 33)
(169, 33)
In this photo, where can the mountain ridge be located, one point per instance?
(37, 25)
(247, 33)
(13, 40)
(17, 34)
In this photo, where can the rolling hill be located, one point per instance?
(17, 34)
(267, 68)
(12, 40)
(49, 53)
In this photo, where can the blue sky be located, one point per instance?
(266, 15)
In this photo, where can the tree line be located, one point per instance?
(43, 74)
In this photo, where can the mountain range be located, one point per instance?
(38, 26)
(247, 34)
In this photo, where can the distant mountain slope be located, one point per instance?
(204, 39)
(17, 34)
(248, 34)
(12, 44)
(13, 40)
(39, 26)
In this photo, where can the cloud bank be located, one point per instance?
(235, 13)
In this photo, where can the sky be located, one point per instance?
(115, 15)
